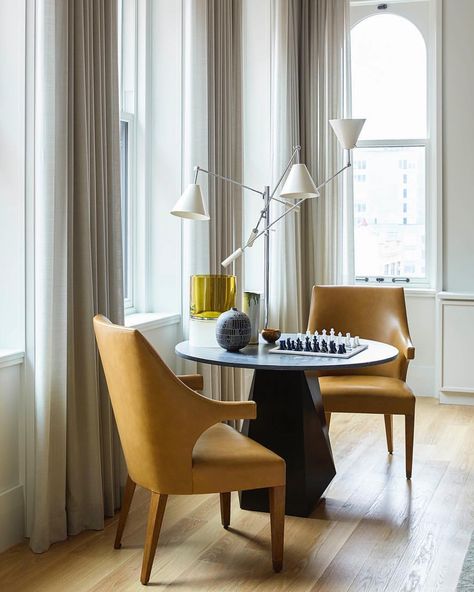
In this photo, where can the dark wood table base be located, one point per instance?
(291, 422)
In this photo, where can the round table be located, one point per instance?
(290, 414)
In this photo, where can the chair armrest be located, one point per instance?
(225, 410)
(193, 381)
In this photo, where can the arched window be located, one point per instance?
(389, 89)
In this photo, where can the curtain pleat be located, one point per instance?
(78, 268)
(213, 139)
(309, 85)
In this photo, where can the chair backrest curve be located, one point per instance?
(377, 313)
(157, 415)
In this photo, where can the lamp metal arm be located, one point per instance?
(296, 205)
(198, 168)
(296, 150)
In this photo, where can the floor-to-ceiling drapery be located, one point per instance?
(212, 117)
(77, 266)
(309, 86)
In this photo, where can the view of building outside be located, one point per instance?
(389, 90)
(389, 211)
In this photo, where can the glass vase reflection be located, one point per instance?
(211, 295)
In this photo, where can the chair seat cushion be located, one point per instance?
(226, 460)
(367, 394)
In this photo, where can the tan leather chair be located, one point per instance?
(173, 440)
(377, 313)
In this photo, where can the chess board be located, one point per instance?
(348, 354)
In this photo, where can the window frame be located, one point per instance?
(428, 26)
(128, 110)
(129, 302)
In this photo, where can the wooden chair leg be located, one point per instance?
(155, 519)
(225, 509)
(409, 437)
(389, 432)
(126, 502)
(277, 523)
(328, 419)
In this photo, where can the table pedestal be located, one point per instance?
(291, 422)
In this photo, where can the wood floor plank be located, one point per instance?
(373, 531)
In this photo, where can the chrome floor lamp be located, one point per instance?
(298, 186)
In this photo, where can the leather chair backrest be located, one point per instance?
(377, 313)
(158, 417)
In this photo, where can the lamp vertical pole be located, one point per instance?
(266, 255)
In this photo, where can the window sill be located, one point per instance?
(11, 357)
(146, 321)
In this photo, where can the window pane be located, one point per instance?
(389, 212)
(389, 78)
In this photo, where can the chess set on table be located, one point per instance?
(320, 345)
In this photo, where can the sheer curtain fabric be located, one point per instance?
(78, 266)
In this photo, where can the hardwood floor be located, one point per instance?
(373, 531)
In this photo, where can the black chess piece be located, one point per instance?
(293, 345)
(332, 347)
(343, 345)
(324, 346)
(340, 349)
(315, 344)
(282, 344)
(288, 344)
(307, 344)
(299, 345)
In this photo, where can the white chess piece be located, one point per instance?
(356, 341)
(348, 341)
(324, 336)
(332, 335)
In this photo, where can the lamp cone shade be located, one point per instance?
(347, 131)
(191, 204)
(299, 184)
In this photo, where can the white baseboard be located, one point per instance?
(456, 398)
(421, 379)
(12, 517)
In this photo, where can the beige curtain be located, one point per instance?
(213, 138)
(309, 86)
(78, 266)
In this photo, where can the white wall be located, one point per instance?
(11, 454)
(458, 145)
(12, 173)
(12, 269)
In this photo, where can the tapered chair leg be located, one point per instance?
(225, 509)
(409, 438)
(328, 419)
(155, 519)
(277, 523)
(389, 432)
(126, 502)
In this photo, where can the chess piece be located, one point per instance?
(332, 347)
(299, 344)
(341, 349)
(307, 344)
(315, 344)
(348, 341)
(324, 346)
(332, 336)
(356, 341)
(288, 344)
(293, 345)
(282, 344)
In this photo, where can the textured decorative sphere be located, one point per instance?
(233, 330)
